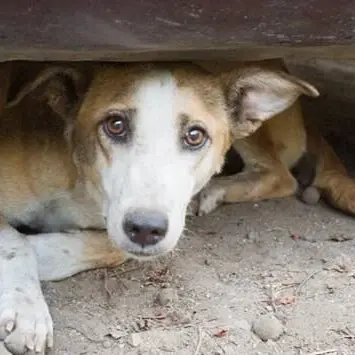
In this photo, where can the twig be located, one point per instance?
(322, 352)
(347, 333)
(200, 336)
(108, 291)
(278, 229)
(272, 299)
(302, 284)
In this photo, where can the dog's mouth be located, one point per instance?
(143, 254)
(139, 252)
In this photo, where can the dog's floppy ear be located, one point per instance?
(255, 95)
(59, 87)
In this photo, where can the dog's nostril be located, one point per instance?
(145, 227)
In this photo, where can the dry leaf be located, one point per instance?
(221, 333)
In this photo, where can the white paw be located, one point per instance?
(25, 323)
(210, 198)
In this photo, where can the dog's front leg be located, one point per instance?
(61, 255)
(25, 322)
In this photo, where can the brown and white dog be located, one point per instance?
(103, 163)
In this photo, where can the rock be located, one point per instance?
(252, 236)
(268, 327)
(166, 296)
(310, 195)
(135, 339)
(106, 344)
(116, 334)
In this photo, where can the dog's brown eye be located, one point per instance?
(116, 126)
(195, 137)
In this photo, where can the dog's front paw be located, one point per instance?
(210, 198)
(25, 322)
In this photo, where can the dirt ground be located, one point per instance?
(232, 269)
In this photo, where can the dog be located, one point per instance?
(285, 156)
(99, 164)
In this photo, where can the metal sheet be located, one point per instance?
(160, 30)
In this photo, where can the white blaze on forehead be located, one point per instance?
(157, 156)
(159, 102)
(156, 118)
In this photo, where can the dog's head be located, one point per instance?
(147, 137)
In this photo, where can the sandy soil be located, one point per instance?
(233, 268)
(244, 261)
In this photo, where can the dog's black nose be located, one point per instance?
(145, 227)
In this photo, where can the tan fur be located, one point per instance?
(274, 149)
(35, 156)
(100, 252)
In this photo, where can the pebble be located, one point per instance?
(106, 344)
(310, 195)
(135, 339)
(252, 236)
(207, 262)
(268, 327)
(166, 296)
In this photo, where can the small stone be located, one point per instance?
(166, 296)
(135, 339)
(268, 327)
(106, 344)
(310, 195)
(116, 334)
(252, 236)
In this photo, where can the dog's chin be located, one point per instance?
(142, 256)
(147, 253)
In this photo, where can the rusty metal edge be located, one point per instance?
(251, 52)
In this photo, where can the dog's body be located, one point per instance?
(104, 168)
(286, 144)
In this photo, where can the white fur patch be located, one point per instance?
(25, 322)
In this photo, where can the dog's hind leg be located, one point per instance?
(25, 323)
(60, 255)
(332, 179)
(265, 177)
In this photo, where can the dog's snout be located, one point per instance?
(145, 227)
